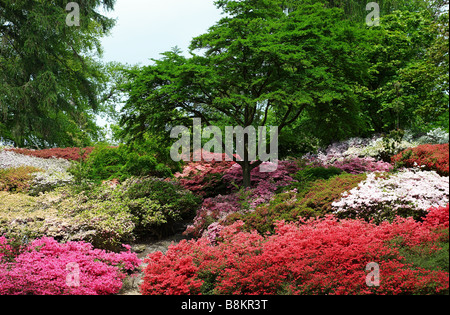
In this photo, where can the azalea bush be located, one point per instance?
(17, 179)
(317, 256)
(46, 267)
(427, 156)
(205, 178)
(9, 159)
(282, 174)
(382, 197)
(357, 165)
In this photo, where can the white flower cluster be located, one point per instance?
(9, 159)
(408, 188)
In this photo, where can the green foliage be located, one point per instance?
(157, 204)
(423, 256)
(118, 163)
(49, 77)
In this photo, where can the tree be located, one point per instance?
(257, 62)
(408, 86)
(49, 78)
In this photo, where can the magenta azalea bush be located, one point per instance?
(46, 267)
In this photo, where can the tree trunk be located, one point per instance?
(246, 173)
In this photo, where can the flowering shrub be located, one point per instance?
(427, 156)
(48, 180)
(205, 178)
(406, 193)
(375, 147)
(437, 217)
(281, 174)
(66, 217)
(44, 268)
(9, 159)
(72, 154)
(319, 256)
(356, 165)
(289, 206)
(218, 208)
(16, 179)
(435, 136)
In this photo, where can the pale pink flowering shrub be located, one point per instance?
(357, 165)
(45, 267)
(406, 193)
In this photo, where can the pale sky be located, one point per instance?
(147, 28)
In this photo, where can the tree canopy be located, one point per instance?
(50, 79)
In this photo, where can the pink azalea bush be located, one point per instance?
(46, 267)
(357, 165)
(379, 197)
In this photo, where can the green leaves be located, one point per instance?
(49, 80)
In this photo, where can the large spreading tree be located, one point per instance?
(50, 80)
(256, 62)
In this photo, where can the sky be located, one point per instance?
(147, 28)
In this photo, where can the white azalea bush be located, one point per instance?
(410, 192)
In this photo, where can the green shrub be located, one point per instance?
(314, 201)
(106, 163)
(158, 204)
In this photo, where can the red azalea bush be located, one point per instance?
(72, 154)
(318, 256)
(427, 156)
(46, 267)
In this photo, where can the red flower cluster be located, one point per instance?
(428, 156)
(318, 256)
(67, 153)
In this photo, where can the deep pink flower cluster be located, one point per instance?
(318, 256)
(46, 267)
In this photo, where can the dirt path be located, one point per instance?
(143, 248)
